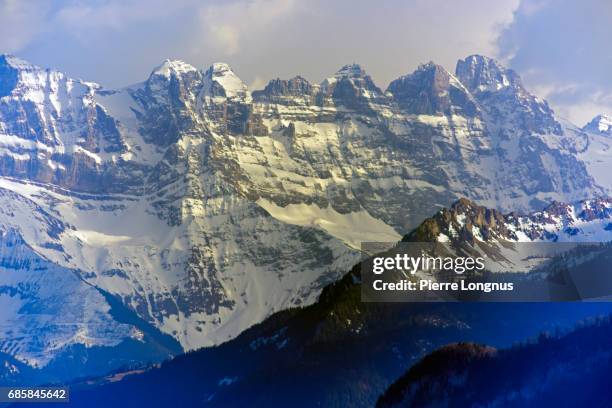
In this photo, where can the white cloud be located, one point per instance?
(562, 50)
(224, 26)
(584, 110)
(117, 42)
(258, 83)
(116, 14)
(226, 37)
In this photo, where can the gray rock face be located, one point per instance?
(431, 90)
(167, 100)
(54, 132)
(203, 208)
(286, 92)
(501, 92)
(8, 76)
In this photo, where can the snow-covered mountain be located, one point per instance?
(203, 207)
(593, 145)
(518, 243)
(601, 124)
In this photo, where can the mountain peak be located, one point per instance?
(464, 203)
(434, 69)
(25, 78)
(221, 68)
(15, 62)
(350, 71)
(352, 87)
(169, 66)
(480, 73)
(430, 66)
(499, 89)
(222, 81)
(600, 124)
(432, 90)
(171, 78)
(294, 90)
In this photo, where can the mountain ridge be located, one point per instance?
(532, 373)
(204, 207)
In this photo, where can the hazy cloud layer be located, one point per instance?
(558, 46)
(562, 49)
(119, 41)
(20, 23)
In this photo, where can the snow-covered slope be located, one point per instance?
(204, 207)
(48, 310)
(46, 307)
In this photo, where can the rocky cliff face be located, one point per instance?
(432, 90)
(203, 208)
(53, 131)
(504, 98)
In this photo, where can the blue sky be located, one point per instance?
(559, 47)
